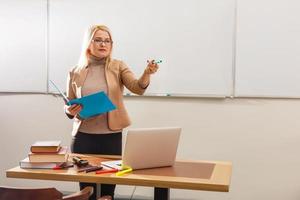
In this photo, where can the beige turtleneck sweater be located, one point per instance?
(95, 82)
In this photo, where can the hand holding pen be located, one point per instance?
(69, 109)
(73, 109)
(152, 66)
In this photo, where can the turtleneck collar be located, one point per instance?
(93, 60)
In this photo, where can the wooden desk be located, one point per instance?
(195, 175)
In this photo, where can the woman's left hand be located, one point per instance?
(152, 67)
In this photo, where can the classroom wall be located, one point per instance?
(260, 137)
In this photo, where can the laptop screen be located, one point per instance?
(151, 147)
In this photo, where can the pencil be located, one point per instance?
(106, 171)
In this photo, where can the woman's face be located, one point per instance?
(101, 44)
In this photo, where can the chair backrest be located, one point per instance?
(81, 195)
(13, 193)
(7, 193)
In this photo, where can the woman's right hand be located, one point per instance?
(73, 109)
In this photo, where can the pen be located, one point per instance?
(92, 169)
(89, 168)
(62, 94)
(155, 62)
(120, 173)
(106, 171)
(64, 166)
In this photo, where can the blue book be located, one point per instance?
(93, 104)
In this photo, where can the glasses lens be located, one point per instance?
(106, 42)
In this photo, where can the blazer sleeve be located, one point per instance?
(70, 92)
(129, 80)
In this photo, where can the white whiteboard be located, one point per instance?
(268, 48)
(193, 38)
(23, 46)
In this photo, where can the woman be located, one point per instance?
(97, 71)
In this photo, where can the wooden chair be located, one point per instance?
(11, 193)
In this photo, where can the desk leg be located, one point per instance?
(161, 193)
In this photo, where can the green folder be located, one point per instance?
(93, 104)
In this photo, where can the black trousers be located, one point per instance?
(109, 144)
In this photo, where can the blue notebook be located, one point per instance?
(93, 104)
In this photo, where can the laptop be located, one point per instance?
(148, 148)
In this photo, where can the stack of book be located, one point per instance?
(45, 155)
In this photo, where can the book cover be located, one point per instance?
(93, 104)
(26, 164)
(45, 147)
(60, 156)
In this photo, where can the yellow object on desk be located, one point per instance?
(125, 171)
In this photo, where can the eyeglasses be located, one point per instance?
(99, 42)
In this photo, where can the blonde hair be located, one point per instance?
(88, 36)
